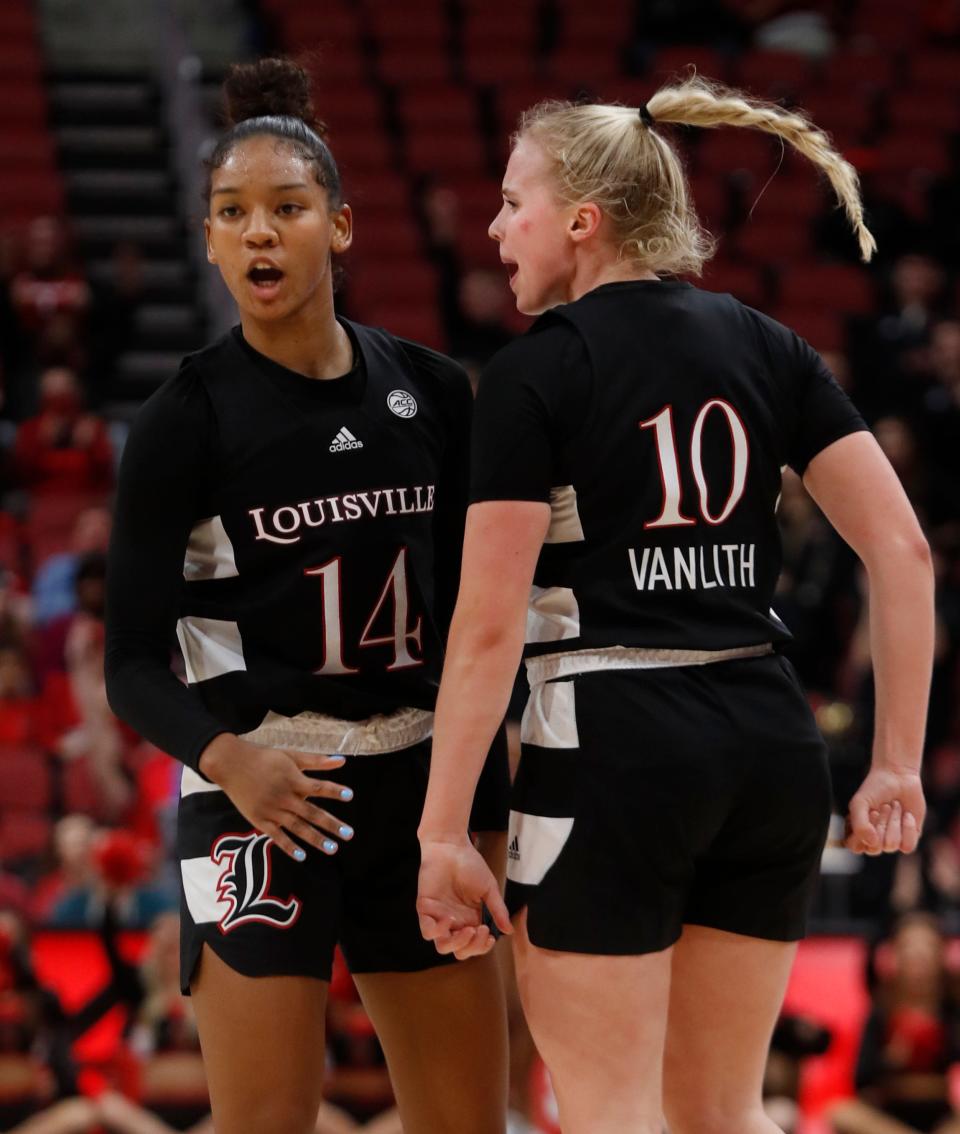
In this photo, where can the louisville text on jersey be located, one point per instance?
(285, 524)
(699, 567)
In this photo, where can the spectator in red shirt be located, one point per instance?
(63, 448)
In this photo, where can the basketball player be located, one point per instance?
(292, 502)
(672, 799)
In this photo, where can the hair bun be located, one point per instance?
(269, 87)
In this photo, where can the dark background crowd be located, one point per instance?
(98, 299)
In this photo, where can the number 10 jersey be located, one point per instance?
(656, 419)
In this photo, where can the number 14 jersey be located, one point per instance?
(656, 419)
(302, 536)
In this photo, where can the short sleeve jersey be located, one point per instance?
(656, 420)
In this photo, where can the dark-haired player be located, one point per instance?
(672, 797)
(292, 503)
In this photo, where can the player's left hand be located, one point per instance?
(887, 813)
(455, 884)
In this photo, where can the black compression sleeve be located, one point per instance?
(159, 498)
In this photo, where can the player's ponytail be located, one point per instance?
(272, 96)
(616, 157)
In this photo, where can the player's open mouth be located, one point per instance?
(512, 269)
(265, 278)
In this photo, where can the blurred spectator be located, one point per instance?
(112, 315)
(71, 866)
(50, 283)
(795, 1038)
(911, 1039)
(20, 708)
(63, 448)
(55, 583)
(473, 304)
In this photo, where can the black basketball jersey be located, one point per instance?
(303, 536)
(656, 419)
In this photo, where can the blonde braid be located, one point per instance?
(612, 155)
(699, 102)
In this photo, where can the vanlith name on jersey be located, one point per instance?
(701, 567)
(285, 524)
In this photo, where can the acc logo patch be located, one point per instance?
(402, 403)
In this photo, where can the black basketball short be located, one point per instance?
(647, 799)
(266, 915)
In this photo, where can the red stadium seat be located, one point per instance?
(383, 193)
(441, 106)
(34, 192)
(797, 200)
(335, 25)
(80, 794)
(929, 110)
(514, 98)
(590, 25)
(403, 64)
(21, 61)
(936, 68)
(382, 236)
(24, 779)
(359, 152)
(676, 61)
(21, 103)
(477, 250)
(726, 151)
(403, 281)
(831, 287)
(741, 280)
(711, 201)
(774, 73)
(823, 330)
(493, 65)
(23, 834)
(348, 106)
(416, 321)
(840, 111)
(583, 66)
(774, 242)
(852, 69)
(446, 151)
(888, 29)
(903, 152)
(397, 25)
(28, 148)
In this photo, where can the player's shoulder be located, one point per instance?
(550, 345)
(180, 403)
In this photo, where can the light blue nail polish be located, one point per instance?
(329, 846)
(346, 793)
(346, 832)
(300, 854)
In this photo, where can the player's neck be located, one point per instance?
(311, 342)
(593, 272)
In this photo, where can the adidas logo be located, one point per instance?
(344, 440)
(513, 851)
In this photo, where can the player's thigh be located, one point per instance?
(263, 1047)
(444, 1034)
(599, 1022)
(726, 994)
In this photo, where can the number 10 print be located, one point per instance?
(671, 515)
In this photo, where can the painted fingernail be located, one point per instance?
(300, 854)
(346, 832)
(329, 846)
(346, 793)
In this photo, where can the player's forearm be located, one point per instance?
(474, 692)
(902, 642)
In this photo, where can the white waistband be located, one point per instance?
(314, 732)
(546, 667)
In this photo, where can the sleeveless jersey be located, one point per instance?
(656, 419)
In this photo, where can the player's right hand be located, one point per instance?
(271, 789)
(886, 815)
